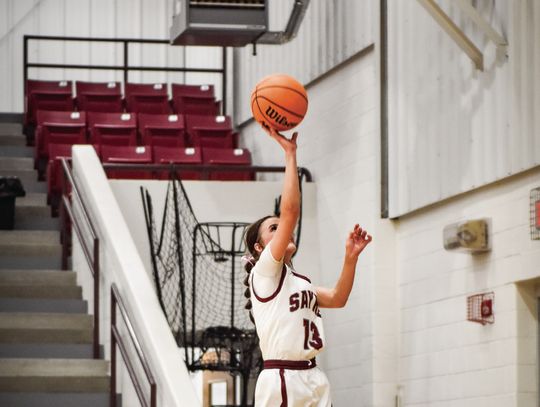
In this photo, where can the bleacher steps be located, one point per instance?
(11, 128)
(54, 382)
(40, 304)
(17, 163)
(32, 212)
(54, 375)
(16, 151)
(12, 140)
(30, 249)
(39, 284)
(25, 327)
(46, 333)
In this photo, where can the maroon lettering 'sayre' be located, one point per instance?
(304, 299)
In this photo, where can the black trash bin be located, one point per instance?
(10, 188)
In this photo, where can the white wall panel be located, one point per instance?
(332, 31)
(147, 19)
(454, 128)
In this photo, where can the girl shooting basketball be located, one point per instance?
(285, 305)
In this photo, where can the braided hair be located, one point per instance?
(251, 237)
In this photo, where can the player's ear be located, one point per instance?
(258, 247)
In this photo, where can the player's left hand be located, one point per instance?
(357, 241)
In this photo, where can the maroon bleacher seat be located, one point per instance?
(210, 131)
(176, 155)
(162, 130)
(119, 129)
(56, 128)
(46, 95)
(194, 99)
(222, 156)
(147, 98)
(127, 155)
(99, 96)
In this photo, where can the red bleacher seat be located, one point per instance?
(210, 131)
(127, 155)
(46, 95)
(170, 155)
(56, 128)
(147, 98)
(162, 130)
(194, 99)
(222, 156)
(118, 129)
(99, 96)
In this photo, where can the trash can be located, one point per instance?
(10, 188)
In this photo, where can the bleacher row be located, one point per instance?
(142, 127)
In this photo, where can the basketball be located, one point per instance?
(279, 101)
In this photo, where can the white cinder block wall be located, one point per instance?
(444, 359)
(339, 144)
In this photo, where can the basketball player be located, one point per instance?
(285, 305)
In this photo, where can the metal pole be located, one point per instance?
(25, 68)
(224, 81)
(113, 350)
(126, 62)
(96, 298)
(233, 285)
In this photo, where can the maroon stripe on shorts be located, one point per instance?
(290, 364)
(284, 401)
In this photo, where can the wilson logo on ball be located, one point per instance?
(279, 119)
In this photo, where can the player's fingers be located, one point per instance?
(363, 234)
(368, 238)
(294, 137)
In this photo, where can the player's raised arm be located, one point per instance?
(290, 196)
(337, 297)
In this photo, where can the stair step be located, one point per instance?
(35, 217)
(38, 327)
(55, 399)
(37, 278)
(30, 249)
(12, 139)
(47, 350)
(10, 128)
(28, 178)
(48, 305)
(31, 199)
(16, 151)
(54, 375)
(16, 163)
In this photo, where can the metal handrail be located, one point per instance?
(116, 339)
(125, 67)
(66, 207)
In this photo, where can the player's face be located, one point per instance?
(268, 229)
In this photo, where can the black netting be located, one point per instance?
(199, 280)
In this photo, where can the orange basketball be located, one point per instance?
(279, 101)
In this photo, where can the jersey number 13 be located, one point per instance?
(312, 338)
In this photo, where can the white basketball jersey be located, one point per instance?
(287, 317)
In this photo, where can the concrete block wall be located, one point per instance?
(444, 359)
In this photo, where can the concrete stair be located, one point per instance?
(54, 382)
(30, 249)
(46, 333)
